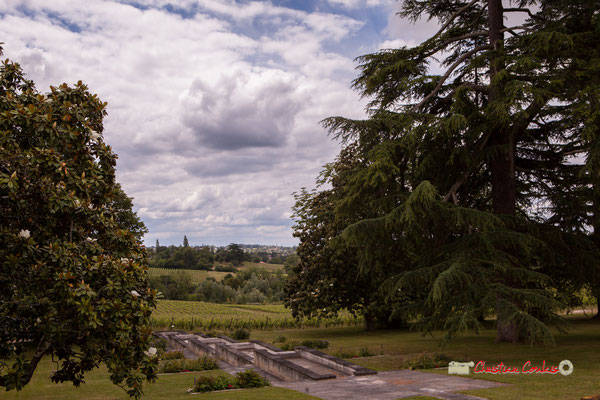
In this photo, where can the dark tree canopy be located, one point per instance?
(72, 268)
(472, 191)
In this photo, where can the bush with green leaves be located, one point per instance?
(313, 344)
(364, 352)
(241, 334)
(212, 383)
(429, 361)
(242, 380)
(280, 339)
(181, 365)
(250, 379)
(73, 270)
(171, 355)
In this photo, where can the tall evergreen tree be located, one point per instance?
(185, 241)
(461, 177)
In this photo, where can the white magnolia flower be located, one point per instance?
(89, 239)
(25, 234)
(134, 293)
(77, 203)
(37, 321)
(94, 136)
(150, 352)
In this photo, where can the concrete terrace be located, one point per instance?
(319, 374)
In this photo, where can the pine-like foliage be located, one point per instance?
(474, 192)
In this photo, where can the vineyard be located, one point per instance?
(195, 315)
(194, 276)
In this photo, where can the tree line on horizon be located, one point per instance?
(207, 258)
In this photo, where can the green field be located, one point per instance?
(197, 315)
(195, 276)
(267, 266)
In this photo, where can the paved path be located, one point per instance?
(386, 385)
(391, 385)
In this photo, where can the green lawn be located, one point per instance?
(167, 387)
(581, 346)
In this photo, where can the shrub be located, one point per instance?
(247, 379)
(241, 334)
(364, 352)
(345, 354)
(180, 365)
(428, 361)
(250, 379)
(313, 344)
(211, 383)
(280, 339)
(172, 355)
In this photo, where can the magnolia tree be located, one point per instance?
(72, 268)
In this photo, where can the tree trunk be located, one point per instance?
(502, 163)
(596, 238)
(370, 320)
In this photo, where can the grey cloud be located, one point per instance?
(242, 110)
(225, 165)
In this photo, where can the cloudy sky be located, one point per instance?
(214, 105)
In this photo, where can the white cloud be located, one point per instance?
(213, 107)
(359, 3)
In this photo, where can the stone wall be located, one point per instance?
(284, 369)
(231, 355)
(332, 362)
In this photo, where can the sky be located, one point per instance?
(213, 105)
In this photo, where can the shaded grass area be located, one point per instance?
(168, 386)
(581, 346)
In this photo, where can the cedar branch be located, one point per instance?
(460, 60)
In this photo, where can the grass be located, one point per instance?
(581, 346)
(197, 276)
(267, 266)
(193, 275)
(392, 348)
(168, 386)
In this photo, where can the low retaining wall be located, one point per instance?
(284, 369)
(199, 348)
(231, 355)
(332, 362)
(266, 345)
